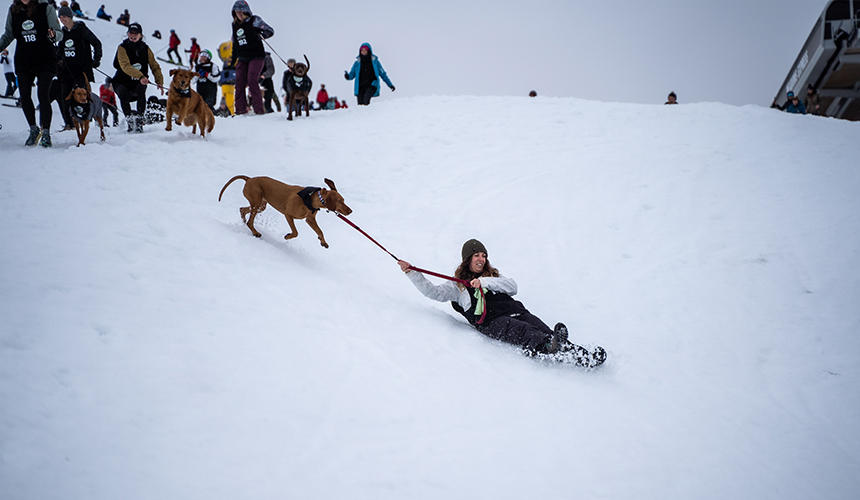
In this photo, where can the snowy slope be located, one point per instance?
(152, 348)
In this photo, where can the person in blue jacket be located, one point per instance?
(366, 71)
(794, 105)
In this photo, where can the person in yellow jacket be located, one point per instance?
(228, 75)
(133, 62)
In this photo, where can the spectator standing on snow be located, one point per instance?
(208, 75)
(671, 99)
(813, 102)
(268, 85)
(133, 62)
(194, 52)
(228, 75)
(108, 97)
(249, 56)
(101, 14)
(174, 47)
(322, 96)
(80, 52)
(288, 73)
(34, 27)
(794, 105)
(366, 71)
(9, 73)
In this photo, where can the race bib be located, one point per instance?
(70, 48)
(28, 33)
(137, 66)
(240, 36)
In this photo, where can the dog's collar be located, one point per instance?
(306, 194)
(183, 93)
(298, 79)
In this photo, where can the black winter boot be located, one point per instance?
(129, 120)
(45, 140)
(138, 124)
(33, 138)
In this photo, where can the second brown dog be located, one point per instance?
(295, 202)
(85, 106)
(192, 111)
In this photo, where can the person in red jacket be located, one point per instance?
(174, 47)
(343, 105)
(108, 98)
(194, 52)
(322, 96)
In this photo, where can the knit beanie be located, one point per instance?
(241, 6)
(65, 11)
(472, 247)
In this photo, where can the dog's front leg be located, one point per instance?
(295, 232)
(169, 118)
(312, 222)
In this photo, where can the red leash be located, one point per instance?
(418, 269)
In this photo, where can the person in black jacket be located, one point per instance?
(33, 25)
(495, 313)
(133, 62)
(208, 75)
(80, 52)
(249, 56)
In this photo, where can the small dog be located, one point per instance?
(85, 106)
(298, 88)
(192, 111)
(295, 202)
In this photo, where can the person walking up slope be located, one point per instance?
(367, 70)
(34, 27)
(133, 61)
(249, 56)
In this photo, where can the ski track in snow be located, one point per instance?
(152, 348)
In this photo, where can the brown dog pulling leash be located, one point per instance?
(423, 271)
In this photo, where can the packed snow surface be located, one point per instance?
(152, 348)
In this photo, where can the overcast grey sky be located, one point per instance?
(732, 51)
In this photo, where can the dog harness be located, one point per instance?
(183, 93)
(86, 111)
(306, 194)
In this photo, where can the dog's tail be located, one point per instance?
(243, 177)
(309, 63)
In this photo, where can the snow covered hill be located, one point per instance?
(152, 348)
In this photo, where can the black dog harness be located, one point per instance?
(183, 93)
(307, 193)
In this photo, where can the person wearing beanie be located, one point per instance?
(194, 52)
(80, 52)
(504, 319)
(249, 56)
(133, 62)
(366, 71)
(34, 27)
(174, 47)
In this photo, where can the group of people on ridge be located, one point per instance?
(56, 54)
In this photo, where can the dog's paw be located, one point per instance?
(324, 244)
(258, 235)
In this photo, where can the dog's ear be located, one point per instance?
(330, 184)
(173, 71)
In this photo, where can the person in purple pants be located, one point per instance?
(249, 56)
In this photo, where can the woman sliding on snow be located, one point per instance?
(503, 317)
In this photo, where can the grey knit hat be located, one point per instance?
(65, 11)
(472, 247)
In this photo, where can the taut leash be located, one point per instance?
(418, 269)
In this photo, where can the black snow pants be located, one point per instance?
(25, 83)
(365, 94)
(136, 94)
(525, 329)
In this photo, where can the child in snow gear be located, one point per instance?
(322, 97)
(133, 62)
(285, 81)
(671, 99)
(108, 97)
(268, 85)
(495, 313)
(174, 47)
(207, 78)
(366, 71)
(228, 75)
(9, 73)
(34, 26)
(249, 57)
